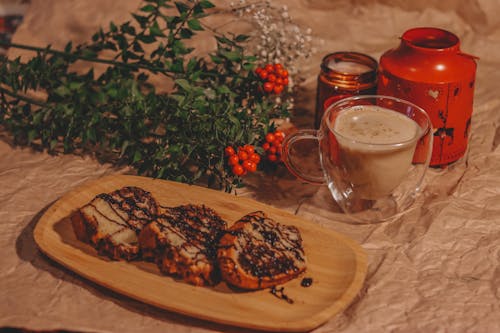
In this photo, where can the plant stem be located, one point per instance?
(23, 98)
(84, 58)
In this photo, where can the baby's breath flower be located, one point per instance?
(277, 39)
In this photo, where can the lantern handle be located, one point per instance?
(468, 55)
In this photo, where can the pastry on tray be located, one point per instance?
(257, 252)
(183, 243)
(191, 242)
(112, 221)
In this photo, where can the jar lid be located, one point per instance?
(432, 38)
(349, 70)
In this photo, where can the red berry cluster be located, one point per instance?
(275, 78)
(273, 146)
(243, 161)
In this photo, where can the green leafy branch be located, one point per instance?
(119, 116)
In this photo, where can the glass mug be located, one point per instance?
(373, 151)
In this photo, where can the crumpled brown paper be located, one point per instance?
(435, 270)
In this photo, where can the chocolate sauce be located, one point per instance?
(127, 200)
(271, 257)
(198, 229)
(196, 225)
(265, 249)
(133, 208)
(280, 293)
(306, 282)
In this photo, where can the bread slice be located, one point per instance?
(257, 252)
(183, 243)
(112, 221)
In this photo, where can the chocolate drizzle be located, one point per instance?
(280, 293)
(306, 282)
(197, 225)
(266, 249)
(188, 239)
(272, 255)
(133, 205)
(132, 208)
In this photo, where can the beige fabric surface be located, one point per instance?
(435, 270)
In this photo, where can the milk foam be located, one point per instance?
(375, 125)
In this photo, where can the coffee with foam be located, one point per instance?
(376, 148)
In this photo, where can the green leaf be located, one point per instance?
(68, 47)
(113, 92)
(181, 7)
(147, 39)
(235, 56)
(142, 20)
(248, 66)
(131, 55)
(37, 118)
(186, 33)
(32, 135)
(180, 49)
(177, 66)
(206, 4)
(89, 54)
(216, 59)
(62, 91)
(124, 148)
(250, 58)
(223, 89)
(75, 85)
(155, 30)
(90, 133)
(110, 46)
(195, 24)
(137, 47)
(184, 84)
(241, 38)
(191, 65)
(148, 8)
(137, 156)
(179, 98)
(122, 42)
(112, 27)
(126, 28)
(224, 40)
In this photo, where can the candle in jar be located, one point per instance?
(344, 74)
(348, 67)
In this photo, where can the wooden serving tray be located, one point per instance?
(336, 264)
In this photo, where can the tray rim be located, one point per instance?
(44, 227)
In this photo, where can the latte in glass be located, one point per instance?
(376, 147)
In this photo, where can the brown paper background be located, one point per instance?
(435, 270)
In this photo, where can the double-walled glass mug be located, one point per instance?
(373, 152)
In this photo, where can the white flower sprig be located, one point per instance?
(276, 38)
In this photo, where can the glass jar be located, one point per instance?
(344, 74)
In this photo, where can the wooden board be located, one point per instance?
(336, 263)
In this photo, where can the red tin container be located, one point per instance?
(428, 69)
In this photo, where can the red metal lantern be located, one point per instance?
(428, 69)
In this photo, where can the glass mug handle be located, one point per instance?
(290, 140)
